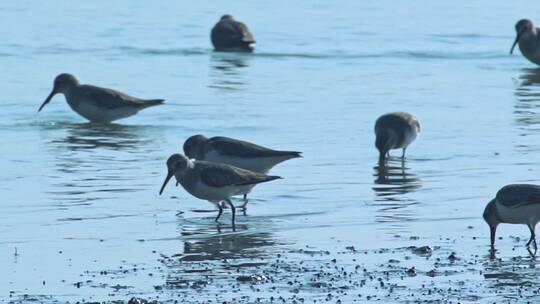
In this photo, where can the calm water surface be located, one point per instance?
(79, 199)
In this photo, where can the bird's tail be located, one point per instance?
(286, 155)
(152, 102)
(264, 179)
(293, 154)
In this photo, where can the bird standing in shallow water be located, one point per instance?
(394, 131)
(97, 104)
(229, 35)
(238, 153)
(514, 204)
(214, 182)
(528, 38)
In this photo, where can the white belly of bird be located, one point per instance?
(208, 193)
(95, 113)
(255, 164)
(519, 215)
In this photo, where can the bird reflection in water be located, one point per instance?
(209, 253)
(527, 109)
(393, 180)
(87, 168)
(204, 245)
(226, 70)
(88, 136)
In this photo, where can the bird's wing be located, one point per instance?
(239, 148)
(228, 32)
(247, 36)
(221, 175)
(111, 99)
(518, 195)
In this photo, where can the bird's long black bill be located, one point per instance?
(47, 100)
(167, 179)
(514, 45)
(493, 231)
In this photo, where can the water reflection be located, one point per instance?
(529, 77)
(209, 251)
(226, 70)
(527, 108)
(504, 274)
(96, 161)
(207, 243)
(393, 178)
(88, 136)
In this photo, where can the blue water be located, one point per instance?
(79, 198)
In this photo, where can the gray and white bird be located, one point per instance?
(214, 182)
(97, 104)
(235, 152)
(528, 38)
(395, 131)
(229, 35)
(514, 204)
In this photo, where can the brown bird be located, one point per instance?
(97, 104)
(229, 35)
(395, 131)
(529, 40)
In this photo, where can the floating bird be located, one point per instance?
(529, 40)
(394, 131)
(238, 153)
(97, 104)
(214, 182)
(514, 204)
(229, 35)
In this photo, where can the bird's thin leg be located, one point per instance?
(403, 154)
(220, 211)
(245, 202)
(533, 236)
(534, 239)
(233, 213)
(492, 252)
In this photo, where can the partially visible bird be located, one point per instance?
(229, 35)
(514, 204)
(395, 131)
(214, 182)
(97, 104)
(235, 152)
(528, 38)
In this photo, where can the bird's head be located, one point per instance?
(522, 26)
(492, 219)
(226, 17)
(63, 83)
(193, 145)
(176, 164)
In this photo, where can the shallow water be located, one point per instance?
(81, 218)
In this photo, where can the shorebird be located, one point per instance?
(529, 40)
(514, 204)
(97, 104)
(394, 131)
(214, 182)
(229, 35)
(238, 153)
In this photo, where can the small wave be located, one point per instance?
(164, 52)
